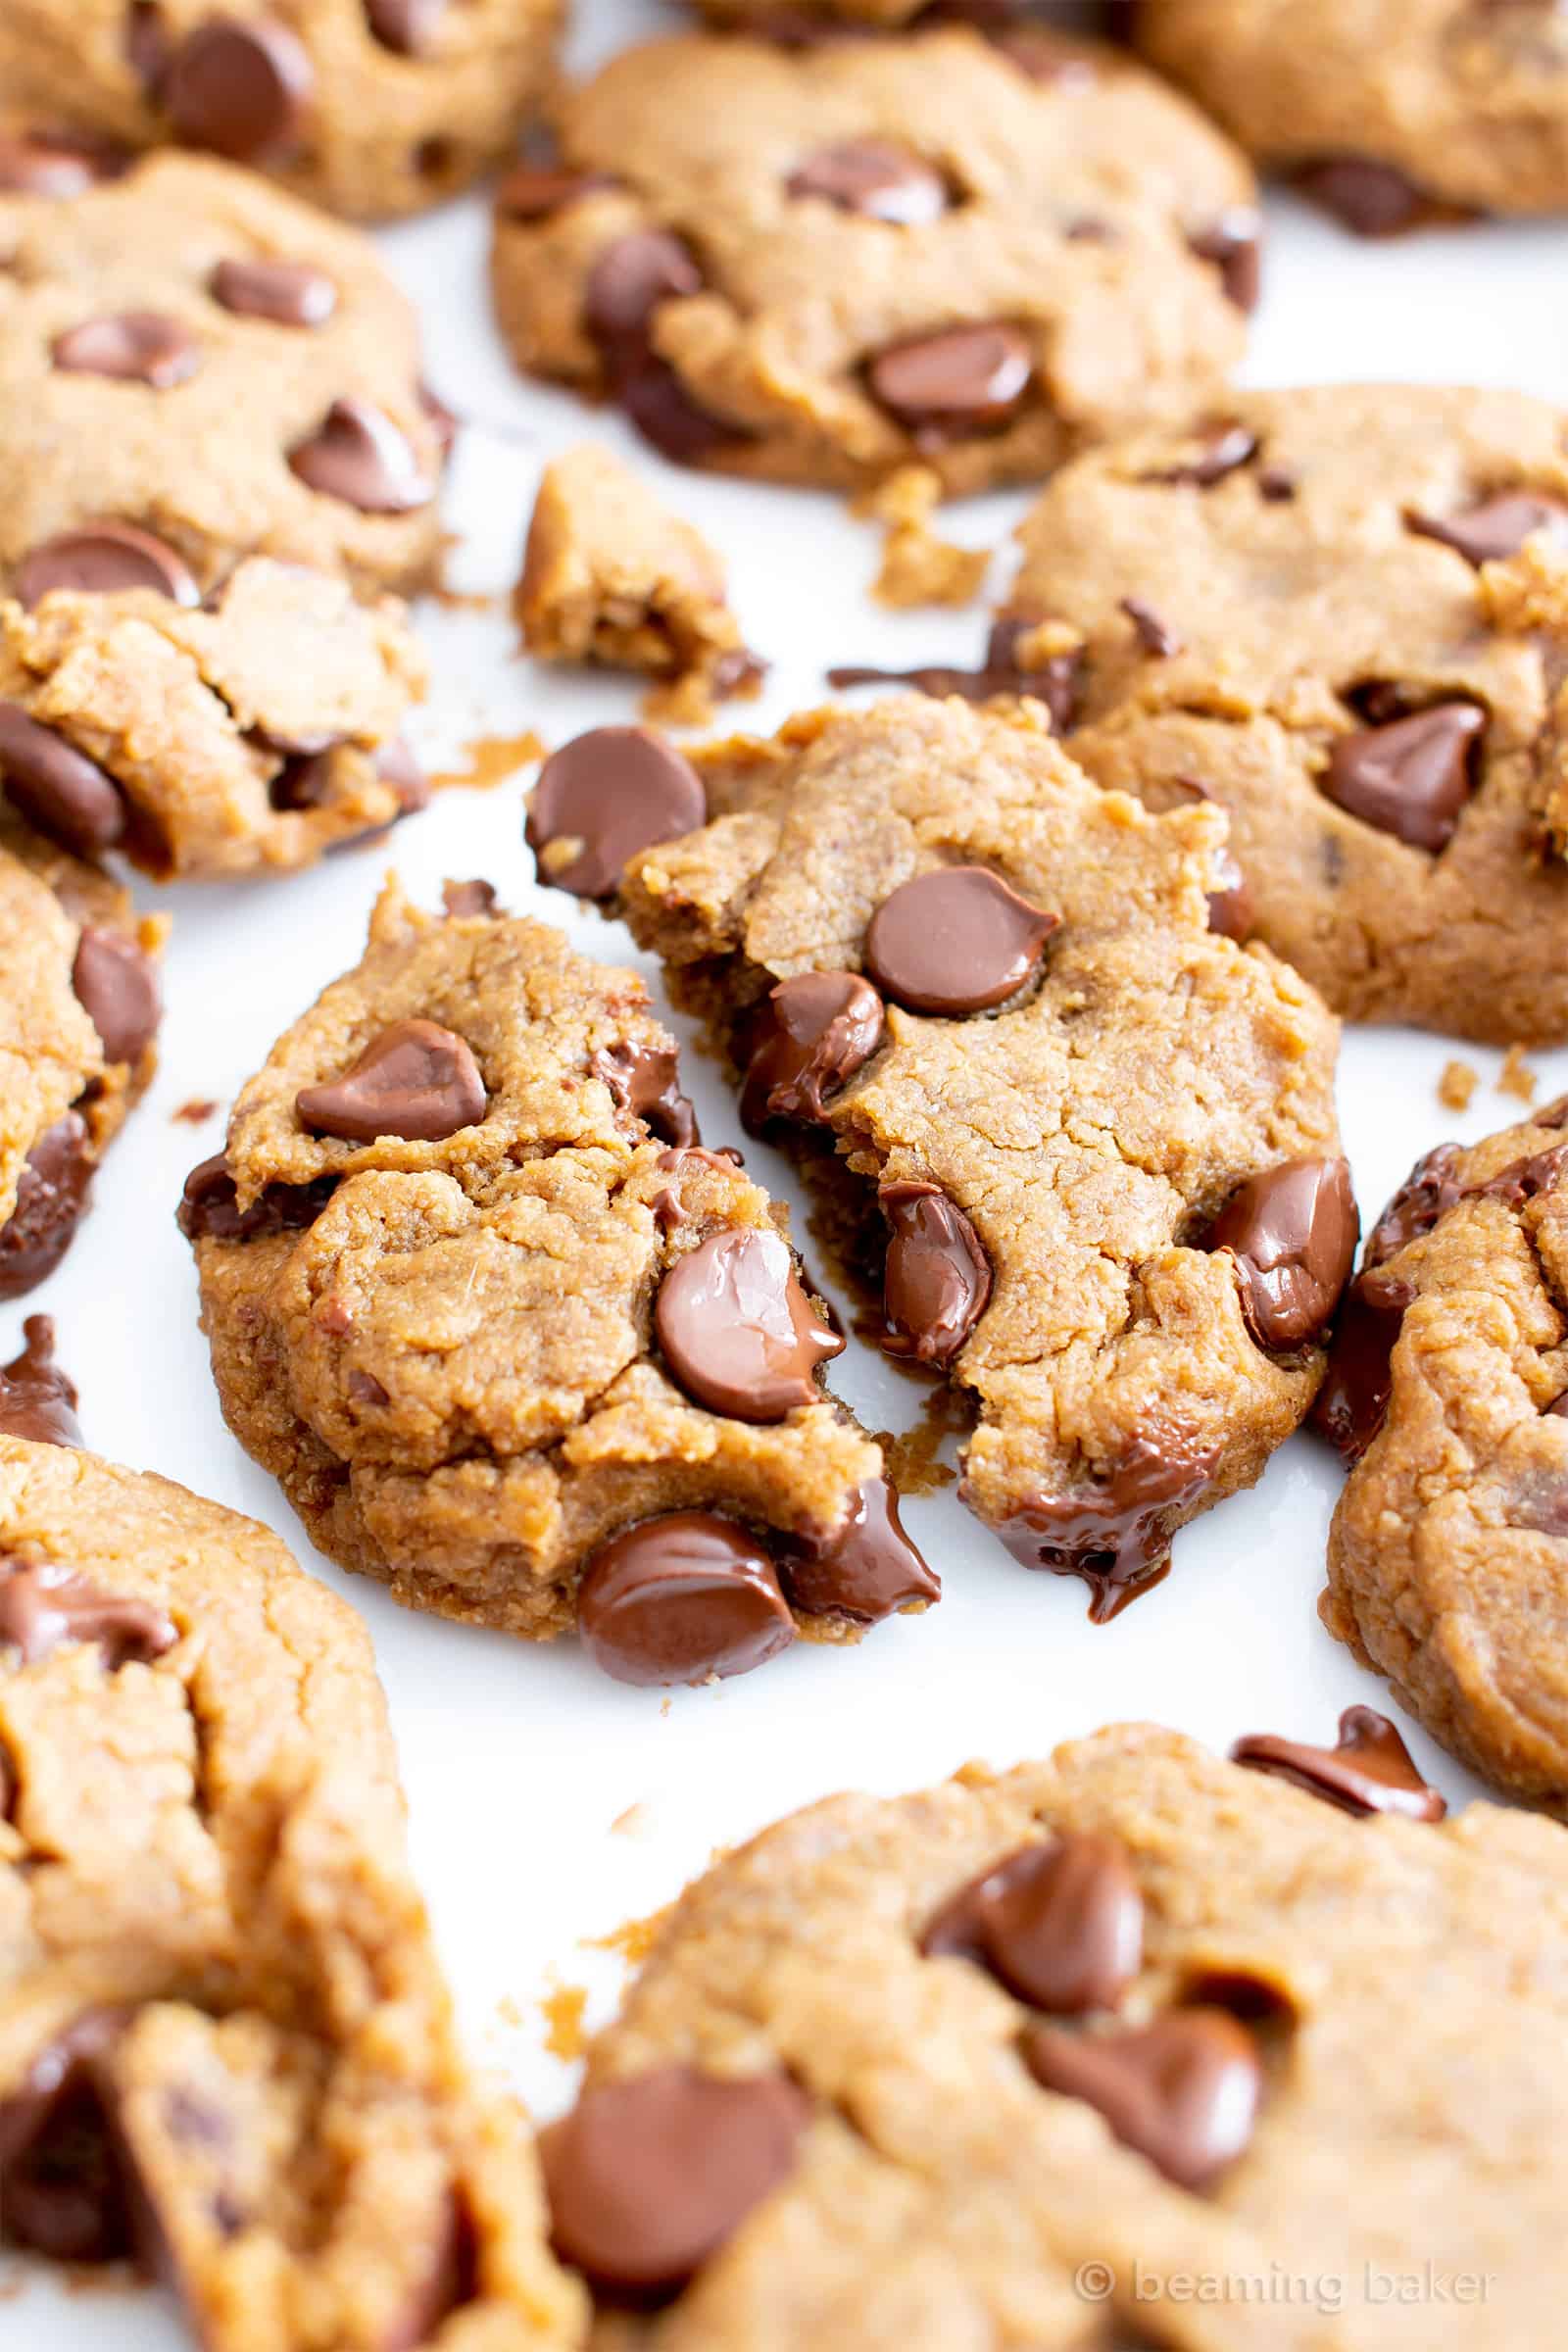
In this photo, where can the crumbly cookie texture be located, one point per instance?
(511, 1339)
(369, 107)
(816, 264)
(1382, 117)
(249, 734)
(613, 576)
(1343, 614)
(921, 929)
(79, 1015)
(226, 2045)
(1027, 2058)
(189, 352)
(1449, 1554)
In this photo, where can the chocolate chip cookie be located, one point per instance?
(510, 1339)
(1385, 116)
(228, 2050)
(79, 1013)
(1449, 1554)
(1130, 2046)
(1091, 1142)
(369, 107)
(1343, 614)
(816, 264)
(188, 352)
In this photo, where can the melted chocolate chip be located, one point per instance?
(147, 46)
(737, 1330)
(38, 1400)
(1225, 450)
(210, 1210)
(43, 1605)
(677, 1599)
(1292, 1232)
(1183, 2092)
(117, 986)
(407, 28)
(51, 1199)
(875, 178)
(1350, 1405)
(138, 347)
(1233, 243)
(633, 275)
(1368, 1769)
(937, 1279)
(240, 89)
(100, 559)
(416, 1080)
(645, 1081)
(965, 380)
(57, 164)
(285, 293)
(609, 795)
(1427, 1194)
(955, 940)
(65, 2188)
(649, 2178)
(814, 1032)
(536, 191)
(1497, 527)
(57, 788)
(1158, 641)
(1115, 1535)
(1373, 199)
(866, 1571)
(1061, 1925)
(1412, 777)
(360, 456)
(1054, 682)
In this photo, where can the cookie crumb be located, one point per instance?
(913, 1456)
(917, 567)
(634, 1938)
(194, 1114)
(1456, 1085)
(491, 760)
(561, 2009)
(1516, 1077)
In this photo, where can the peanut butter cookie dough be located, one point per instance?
(226, 2048)
(79, 1013)
(815, 266)
(188, 352)
(1343, 614)
(511, 1339)
(369, 107)
(1129, 2046)
(1449, 1554)
(1383, 113)
(1100, 1137)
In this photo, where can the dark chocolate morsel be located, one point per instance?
(737, 1330)
(210, 1210)
(955, 940)
(100, 558)
(405, 27)
(285, 293)
(1498, 526)
(1233, 243)
(1224, 449)
(814, 1032)
(1061, 1925)
(1349, 1406)
(43, 1605)
(139, 347)
(1373, 199)
(356, 453)
(677, 1599)
(1115, 1534)
(415, 1080)
(1427, 1194)
(607, 796)
(1368, 1769)
(875, 178)
(57, 788)
(645, 1080)
(117, 986)
(629, 280)
(1412, 777)
(65, 2190)
(937, 1278)
(1155, 636)
(1232, 908)
(38, 1400)
(463, 901)
(963, 379)
(242, 91)
(866, 1571)
(51, 1198)
(1183, 2092)
(1292, 1232)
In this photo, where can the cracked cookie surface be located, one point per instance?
(511, 1339)
(1342, 612)
(1060, 1084)
(1016, 2061)
(815, 266)
(226, 2045)
(369, 107)
(1449, 1554)
(189, 352)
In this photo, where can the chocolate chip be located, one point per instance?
(1275, 486)
(117, 986)
(415, 1081)
(865, 1571)
(407, 28)
(967, 379)
(536, 191)
(1373, 199)
(737, 1330)
(50, 1199)
(364, 1388)
(464, 900)
(1427, 1194)
(360, 456)
(43, 1605)
(140, 347)
(210, 1210)
(937, 1278)
(240, 89)
(605, 796)
(100, 559)
(632, 276)
(57, 788)
(1412, 778)
(1116, 1534)
(1053, 681)
(645, 1081)
(1060, 1926)
(875, 178)
(304, 781)
(647, 2179)
(1232, 909)
(64, 2190)
(955, 940)
(677, 1599)
(1368, 1769)
(1497, 527)
(1233, 243)
(147, 46)
(396, 765)
(288, 293)
(1158, 641)
(814, 1031)
(57, 164)
(1292, 1232)
(38, 1400)
(1355, 1397)
(1224, 449)
(1183, 2092)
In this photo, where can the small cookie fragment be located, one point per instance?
(511, 1339)
(1516, 1077)
(613, 576)
(917, 566)
(1456, 1085)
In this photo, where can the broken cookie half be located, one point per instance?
(510, 1339)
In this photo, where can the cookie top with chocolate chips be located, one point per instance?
(1342, 612)
(1100, 1168)
(197, 359)
(228, 2049)
(1389, 118)
(813, 264)
(1021, 2058)
(1449, 1554)
(512, 1339)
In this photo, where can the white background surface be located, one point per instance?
(518, 1760)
